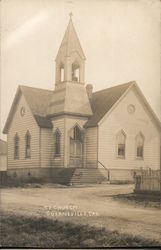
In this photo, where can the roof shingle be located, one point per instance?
(103, 100)
(38, 101)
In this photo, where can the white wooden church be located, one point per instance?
(72, 135)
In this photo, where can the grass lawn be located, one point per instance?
(21, 231)
(145, 200)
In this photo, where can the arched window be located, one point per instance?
(121, 141)
(27, 145)
(75, 72)
(77, 134)
(139, 145)
(62, 72)
(57, 143)
(16, 146)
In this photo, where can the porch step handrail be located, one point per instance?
(108, 171)
(103, 165)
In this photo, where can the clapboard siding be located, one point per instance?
(121, 175)
(21, 125)
(91, 147)
(131, 124)
(47, 142)
(70, 122)
(58, 123)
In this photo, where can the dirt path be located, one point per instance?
(93, 205)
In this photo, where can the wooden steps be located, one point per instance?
(62, 175)
(85, 175)
(79, 176)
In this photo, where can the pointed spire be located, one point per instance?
(70, 42)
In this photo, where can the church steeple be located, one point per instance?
(70, 95)
(70, 59)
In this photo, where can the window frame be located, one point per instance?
(62, 68)
(16, 147)
(28, 135)
(136, 146)
(57, 133)
(117, 145)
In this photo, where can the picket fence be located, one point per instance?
(148, 180)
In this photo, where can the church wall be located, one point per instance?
(91, 147)
(20, 124)
(47, 152)
(70, 122)
(131, 124)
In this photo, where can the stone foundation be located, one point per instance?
(66, 175)
(121, 176)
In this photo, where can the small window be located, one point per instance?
(57, 143)
(28, 145)
(139, 146)
(16, 147)
(121, 139)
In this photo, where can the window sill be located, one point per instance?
(139, 158)
(121, 157)
(76, 156)
(57, 156)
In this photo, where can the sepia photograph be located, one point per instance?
(80, 123)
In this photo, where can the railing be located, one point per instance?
(108, 172)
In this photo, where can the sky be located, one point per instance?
(120, 39)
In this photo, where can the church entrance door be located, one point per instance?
(76, 148)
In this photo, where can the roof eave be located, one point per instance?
(43, 122)
(158, 122)
(18, 92)
(90, 126)
(116, 103)
(68, 113)
(134, 84)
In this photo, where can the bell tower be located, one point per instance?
(70, 96)
(70, 60)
